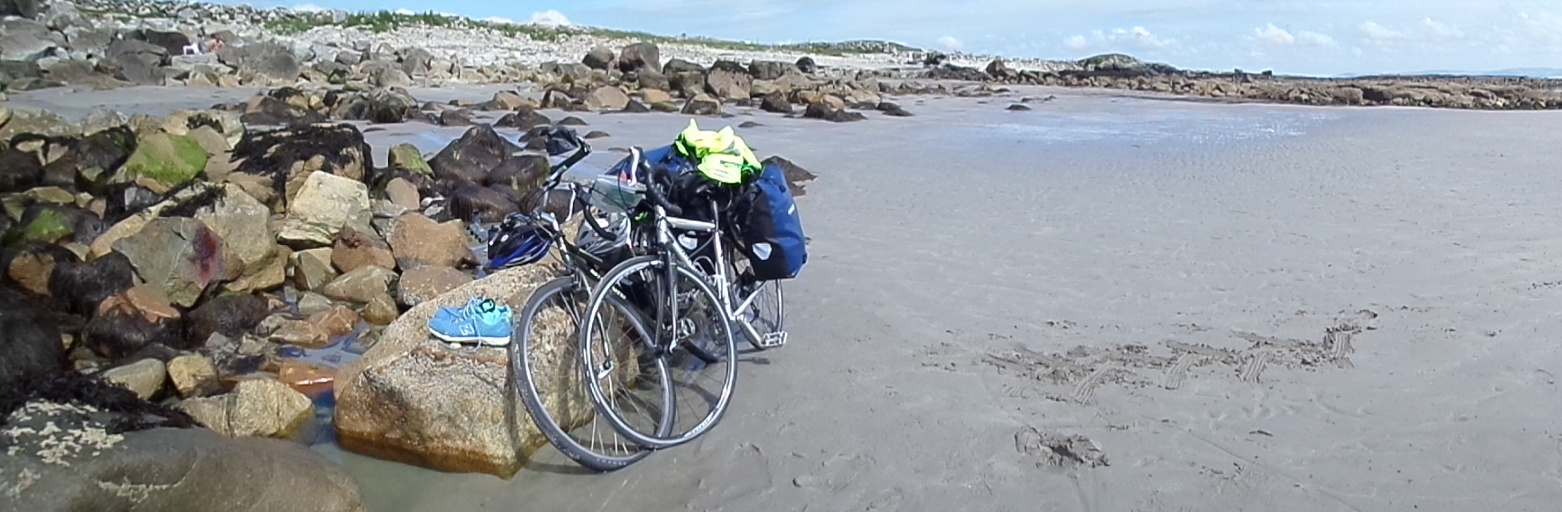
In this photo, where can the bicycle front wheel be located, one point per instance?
(691, 344)
(545, 365)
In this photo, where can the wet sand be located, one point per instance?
(1157, 278)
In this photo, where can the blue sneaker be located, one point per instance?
(480, 321)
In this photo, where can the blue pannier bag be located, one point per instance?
(771, 231)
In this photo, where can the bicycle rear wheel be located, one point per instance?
(697, 351)
(545, 357)
(765, 311)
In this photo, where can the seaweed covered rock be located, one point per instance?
(131, 321)
(471, 157)
(162, 162)
(288, 155)
(82, 287)
(55, 223)
(179, 255)
(380, 105)
(31, 346)
(228, 315)
(19, 170)
(94, 158)
(396, 401)
(78, 443)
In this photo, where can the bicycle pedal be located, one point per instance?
(773, 339)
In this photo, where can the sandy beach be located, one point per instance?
(1114, 303)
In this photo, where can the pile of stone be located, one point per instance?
(1117, 71)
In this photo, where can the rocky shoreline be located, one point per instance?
(108, 44)
(180, 290)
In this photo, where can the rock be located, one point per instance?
(749, 124)
(821, 111)
(289, 155)
(769, 69)
(310, 303)
(312, 268)
(37, 122)
(702, 105)
(256, 407)
(313, 380)
(31, 343)
(728, 84)
(427, 282)
(136, 62)
(336, 321)
(472, 156)
(23, 8)
(416, 241)
(144, 377)
(654, 96)
(356, 248)
(638, 56)
(406, 157)
(26, 40)
(403, 193)
(598, 58)
(510, 100)
(607, 97)
(298, 333)
(244, 225)
(324, 204)
(81, 287)
(163, 162)
(1017, 108)
(268, 63)
(676, 66)
(431, 384)
(651, 80)
(525, 118)
(180, 256)
(635, 107)
(796, 175)
(391, 77)
(361, 285)
(775, 103)
(193, 375)
(379, 106)
(55, 223)
(892, 110)
(19, 170)
(381, 311)
(227, 315)
(596, 134)
(264, 275)
(454, 118)
(806, 65)
(168, 469)
(172, 43)
(33, 266)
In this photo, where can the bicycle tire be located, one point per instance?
(727, 348)
(521, 367)
(773, 320)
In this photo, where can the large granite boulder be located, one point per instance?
(77, 456)
(411, 399)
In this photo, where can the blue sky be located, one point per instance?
(1322, 37)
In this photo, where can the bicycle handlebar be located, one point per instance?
(654, 175)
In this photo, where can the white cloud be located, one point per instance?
(1543, 27)
(1134, 38)
(1378, 32)
(550, 17)
(404, 11)
(950, 43)
(1440, 30)
(1273, 35)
